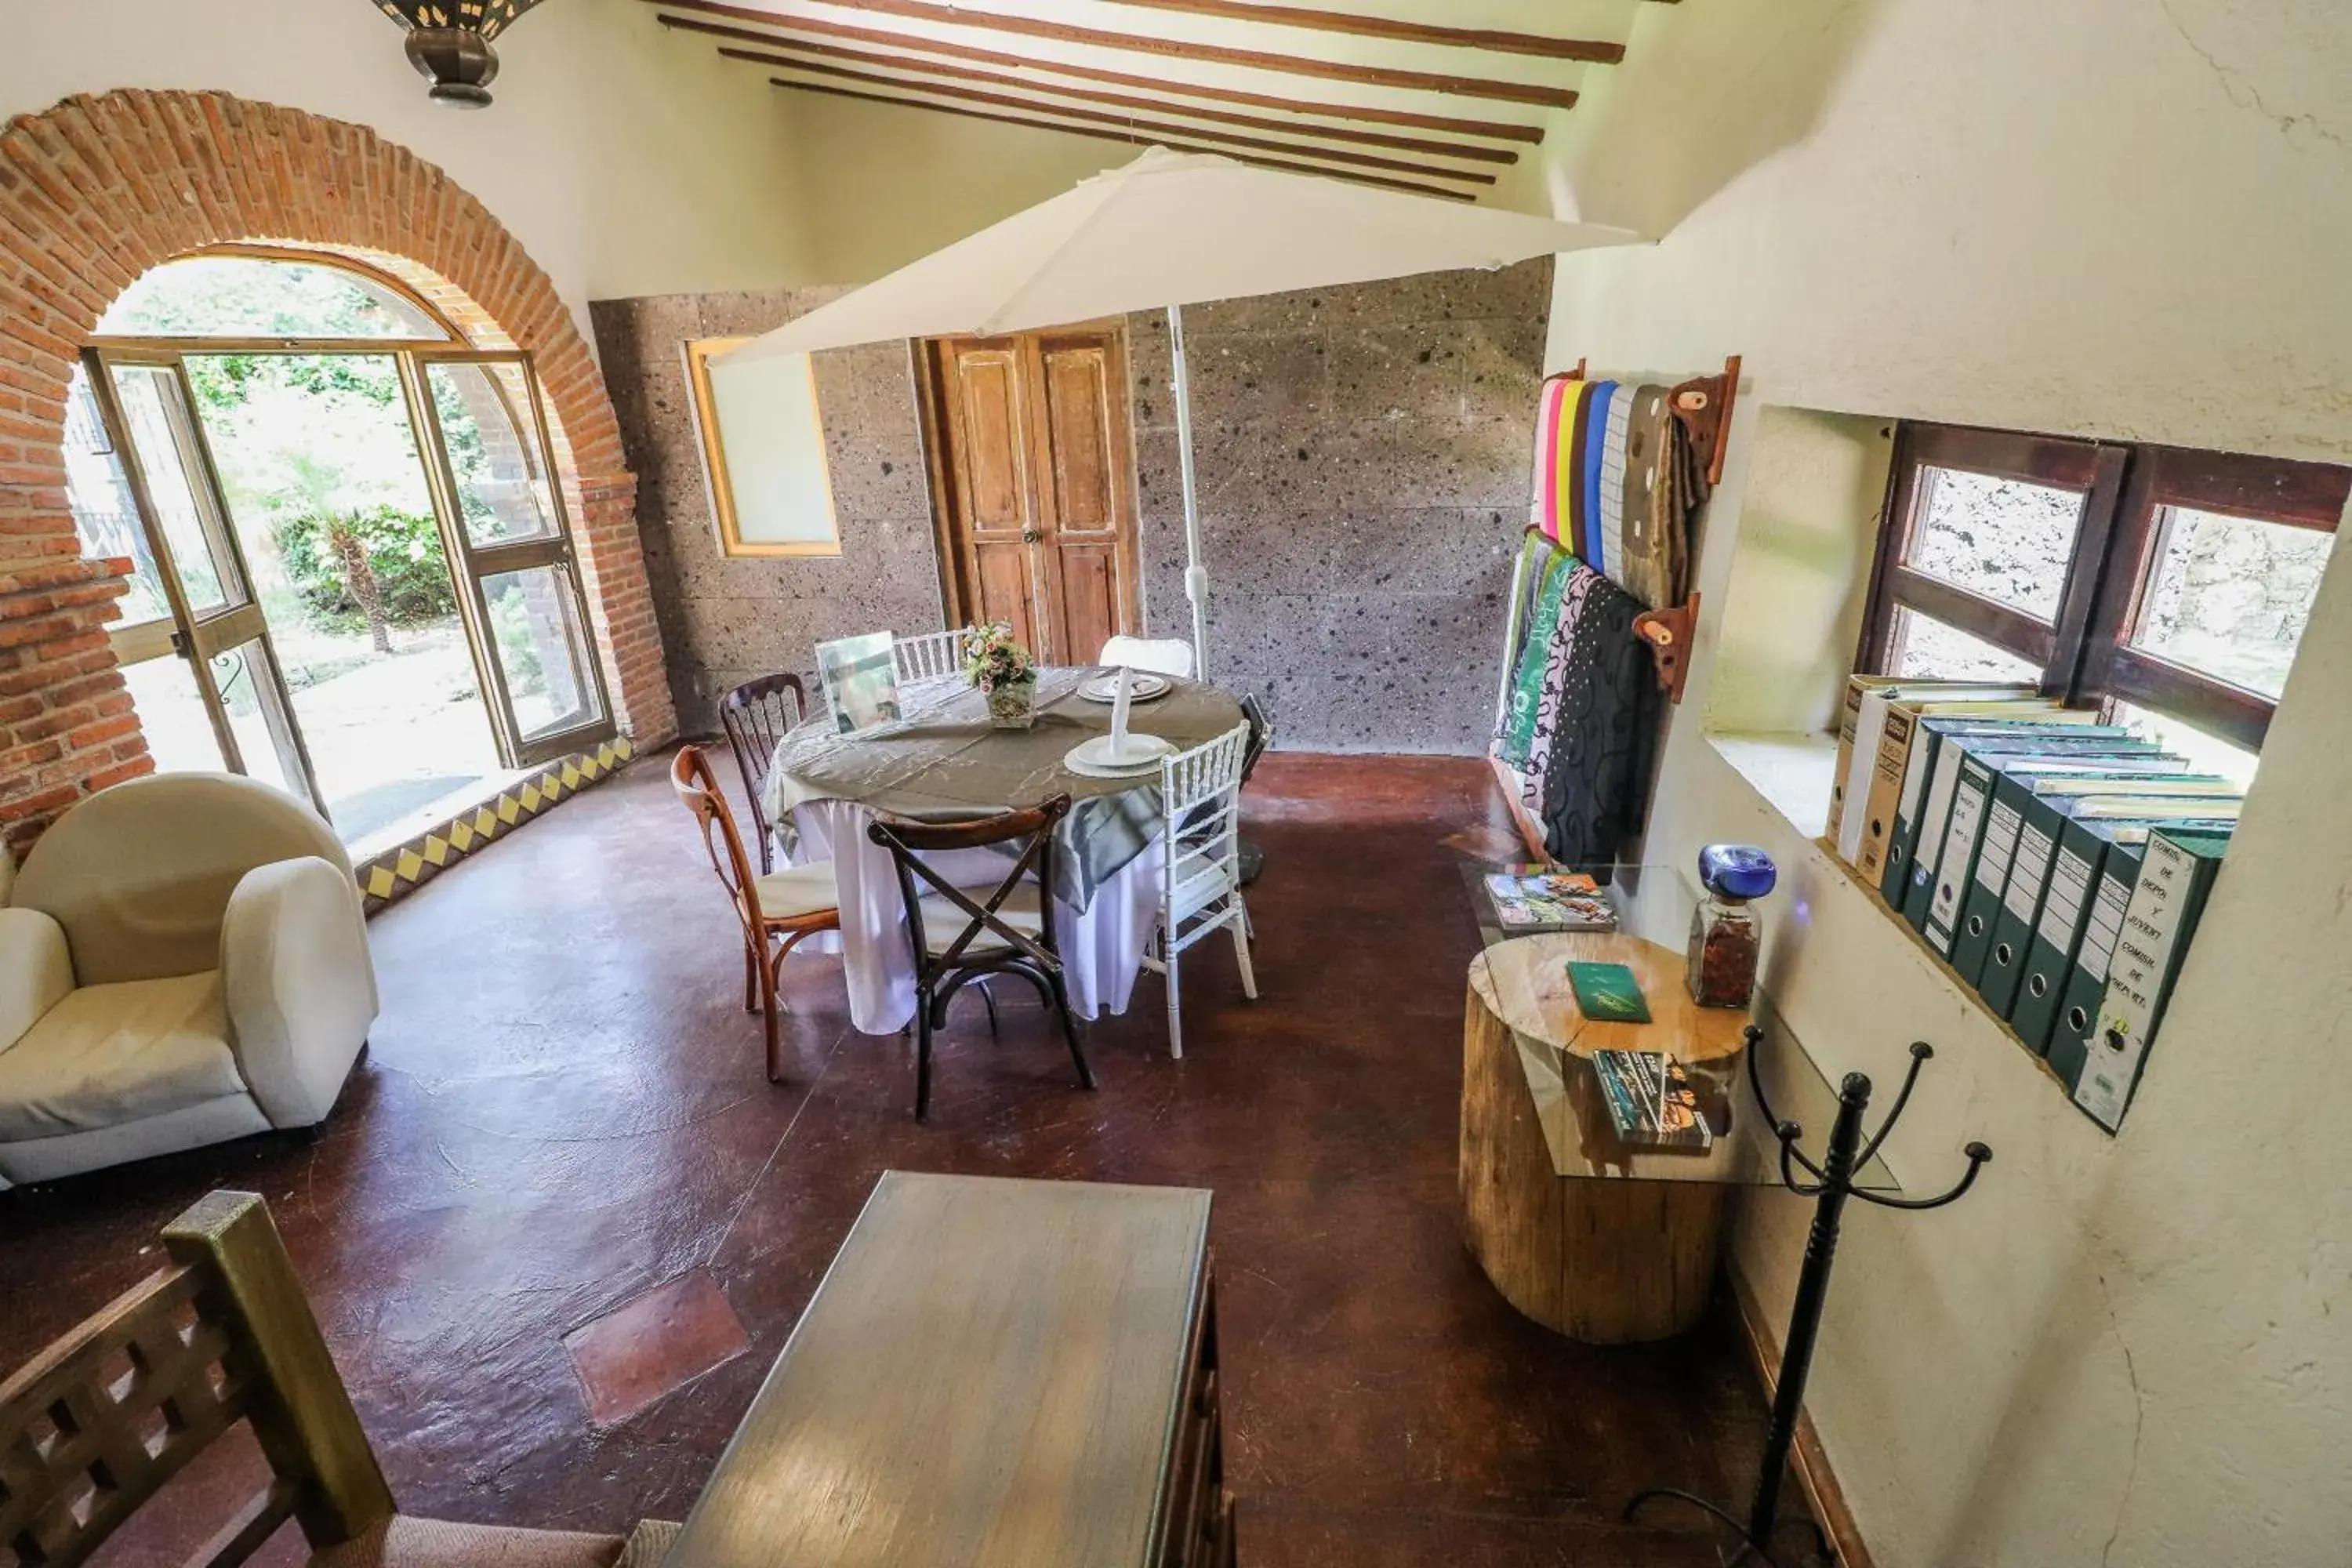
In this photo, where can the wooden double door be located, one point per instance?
(1034, 479)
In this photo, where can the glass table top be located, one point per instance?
(1650, 905)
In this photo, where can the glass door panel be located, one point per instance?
(155, 419)
(217, 631)
(535, 621)
(333, 514)
(172, 713)
(504, 521)
(491, 432)
(105, 513)
(254, 700)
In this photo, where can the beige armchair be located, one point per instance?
(183, 960)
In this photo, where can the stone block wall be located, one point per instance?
(1363, 455)
(728, 619)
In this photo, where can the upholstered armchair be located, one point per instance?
(183, 960)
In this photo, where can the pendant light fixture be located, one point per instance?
(449, 43)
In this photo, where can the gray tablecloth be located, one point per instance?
(943, 760)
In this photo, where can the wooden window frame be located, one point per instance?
(2085, 654)
(718, 480)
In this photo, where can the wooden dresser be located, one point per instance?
(993, 1375)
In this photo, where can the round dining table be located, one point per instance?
(941, 760)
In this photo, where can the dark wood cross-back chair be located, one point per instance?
(780, 907)
(92, 1429)
(755, 716)
(1007, 929)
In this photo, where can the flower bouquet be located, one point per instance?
(1005, 673)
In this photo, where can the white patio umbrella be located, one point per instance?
(1168, 230)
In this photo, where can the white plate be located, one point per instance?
(1093, 757)
(1142, 686)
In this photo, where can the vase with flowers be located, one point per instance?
(1004, 672)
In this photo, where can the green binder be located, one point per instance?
(2102, 740)
(2176, 877)
(2007, 955)
(1935, 815)
(2096, 829)
(2018, 782)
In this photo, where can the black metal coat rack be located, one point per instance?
(1829, 1183)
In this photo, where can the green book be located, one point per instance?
(2019, 782)
(2102, 739)
(1608, 993)
(2176, 877)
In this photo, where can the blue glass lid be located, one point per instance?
(1737, 870)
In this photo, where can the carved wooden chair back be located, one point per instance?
(755, 716)
(697, 786)
(100, 1420)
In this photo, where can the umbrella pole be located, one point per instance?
(1196, 576)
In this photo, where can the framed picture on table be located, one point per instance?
(860, 677)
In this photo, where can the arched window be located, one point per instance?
(252, 294)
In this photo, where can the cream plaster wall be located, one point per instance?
(628, 160)
(893, 185)
(2125, 217)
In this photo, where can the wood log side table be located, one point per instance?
(1606, 1242)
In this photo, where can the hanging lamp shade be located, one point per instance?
(449, 43)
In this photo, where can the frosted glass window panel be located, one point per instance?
(1928, 649)
(763, 451)
(2229, 597)
(2003, 539)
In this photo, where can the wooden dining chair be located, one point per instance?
(95, 1425)
(1201, 884)
(755, 716)
(778, 907)
(965, 934)
(930, 654)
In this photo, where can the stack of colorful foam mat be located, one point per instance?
(1616, 483)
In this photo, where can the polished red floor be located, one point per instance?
(563, 1111)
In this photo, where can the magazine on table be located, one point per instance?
(1651, 1100)
(1548, 900)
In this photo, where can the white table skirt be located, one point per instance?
(1102, 946)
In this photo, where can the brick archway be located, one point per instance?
(98, 190)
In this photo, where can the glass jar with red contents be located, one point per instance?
(1726, 939)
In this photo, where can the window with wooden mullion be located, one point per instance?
(1995, 536)
(2208, 581)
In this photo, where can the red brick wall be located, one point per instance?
(98, 190)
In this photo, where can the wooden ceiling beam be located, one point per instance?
(1491, 88)
(1153, 130)
(793, 51)
(1547, 46)
(1500, 129)
(1106, 134)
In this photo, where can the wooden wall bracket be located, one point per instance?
(1669, 632)
(1704, 406)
